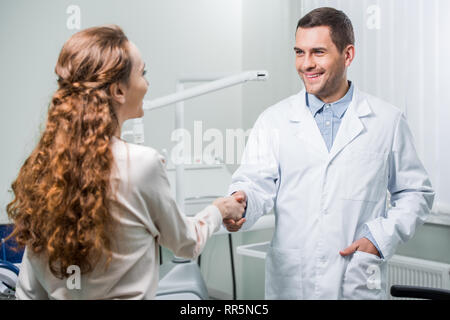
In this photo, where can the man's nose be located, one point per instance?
(308, 62)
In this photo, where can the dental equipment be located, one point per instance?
(184, 94)
(206, 88)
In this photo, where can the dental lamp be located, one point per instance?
(206, 88)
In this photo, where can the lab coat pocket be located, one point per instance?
(364, 176)
(283, 274)
(365, 277)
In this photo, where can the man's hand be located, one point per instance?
(232, 225)
(235, 225)
(362, 244)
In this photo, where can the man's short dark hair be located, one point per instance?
(341, 29)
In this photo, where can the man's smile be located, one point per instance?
(313, 77)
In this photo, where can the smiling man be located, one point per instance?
(326, 173)
(322, 61)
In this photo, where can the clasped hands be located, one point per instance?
(232, 209)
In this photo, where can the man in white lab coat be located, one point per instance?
(324, 160)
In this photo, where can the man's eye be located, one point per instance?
(144, 72)
(298, 52)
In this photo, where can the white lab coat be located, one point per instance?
(322, 199)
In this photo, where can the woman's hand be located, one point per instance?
(230, 207)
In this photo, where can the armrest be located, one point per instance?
(420, 292)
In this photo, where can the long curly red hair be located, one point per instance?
(62, 191)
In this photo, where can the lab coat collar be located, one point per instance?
(350, 128)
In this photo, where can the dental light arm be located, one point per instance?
(206, 88)
(179, 97)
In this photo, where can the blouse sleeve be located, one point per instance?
(184, 236)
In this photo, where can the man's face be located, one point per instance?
(320, 64)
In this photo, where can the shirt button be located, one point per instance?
(327, 123)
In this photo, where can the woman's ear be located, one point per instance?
(117, 91)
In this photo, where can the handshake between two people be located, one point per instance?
(232, 209)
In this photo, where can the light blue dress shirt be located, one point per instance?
(328, 117)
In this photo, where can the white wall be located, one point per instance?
(268, 41)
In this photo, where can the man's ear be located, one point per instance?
(117, 91)
(349, 52)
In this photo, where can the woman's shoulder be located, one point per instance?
(137, 156)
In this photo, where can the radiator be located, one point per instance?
(417, 272)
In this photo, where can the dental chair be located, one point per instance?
(9, 271)
(182, 281)
(8, 278)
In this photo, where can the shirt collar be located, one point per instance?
(339, 107)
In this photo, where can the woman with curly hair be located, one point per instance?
(86, 198)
